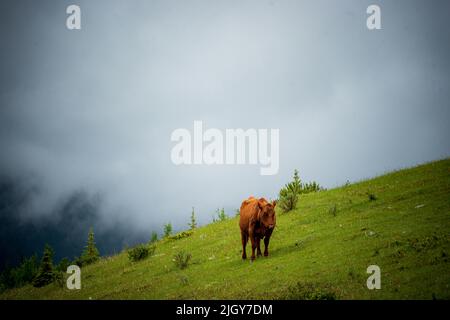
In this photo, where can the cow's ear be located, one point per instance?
(261, 203)
(274, 203)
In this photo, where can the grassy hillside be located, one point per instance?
(314, 250)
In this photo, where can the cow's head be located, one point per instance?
(267, 213)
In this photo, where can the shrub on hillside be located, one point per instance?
(59, 277)
(181, 259)
(371, 196)
(181, 235)
(220, 215)
(140, 252)
(333, 210)
(309, 187)
(289, 194)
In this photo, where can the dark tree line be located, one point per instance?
(42, 273)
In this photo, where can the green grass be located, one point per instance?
(316, 250)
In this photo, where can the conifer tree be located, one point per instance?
(154, 237)
(289, 194)
(193, 223)
(221, 215)
(45, 274)
(167, 229)
(90, 253)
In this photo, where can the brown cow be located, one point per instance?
(257, 221)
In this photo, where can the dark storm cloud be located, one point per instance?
(65, 229)
(93, 109)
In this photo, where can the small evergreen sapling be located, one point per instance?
(90, 253)
(289, 194)
(193, 223)
(221, 214)
(154, 237)
(167, 229)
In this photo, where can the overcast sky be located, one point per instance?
(94, 109)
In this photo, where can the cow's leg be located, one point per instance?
(258, 246)
(244, 238)
(253, 240)
(253, 247)
(266, 244)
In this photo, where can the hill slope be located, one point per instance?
(405, 231)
